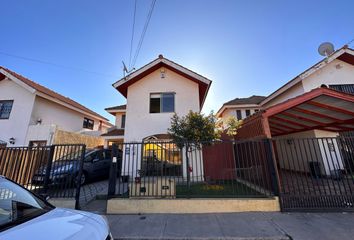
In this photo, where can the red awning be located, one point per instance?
(322, 108)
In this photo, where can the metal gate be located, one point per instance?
(316, 174)
(53, 171)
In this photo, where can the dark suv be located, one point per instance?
(97, 163)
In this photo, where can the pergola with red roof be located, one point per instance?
(321, 108)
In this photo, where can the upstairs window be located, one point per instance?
(347, 88)
(238, 114)
(162, 102)
(5, 108)
(123, 121)
(88, 123)
(248, 112)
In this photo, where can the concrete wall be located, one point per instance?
(16, 125)
(292, 92)
(139, 122)
(136, 206)
(64, 137)
(41, 133)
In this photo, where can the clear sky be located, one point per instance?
(245, 47)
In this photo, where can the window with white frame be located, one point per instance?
(5, 108)
(162, 102)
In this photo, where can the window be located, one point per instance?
(347, 88)
(238, 114)
(5, 108)
(162, 102)
(88, 123)
(248, 112)
(256, 110)
(123, 121)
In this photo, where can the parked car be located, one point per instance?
(66, 169)
(24, 215)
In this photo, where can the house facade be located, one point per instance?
(240, 108)
(31, 114)
(154, 94)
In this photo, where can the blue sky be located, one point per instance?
(245, 47)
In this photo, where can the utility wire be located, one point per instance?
(55, 64)
(143, 32)
(132, 39)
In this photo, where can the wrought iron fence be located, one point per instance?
(185, 170)
(53, 171)
(316, 173)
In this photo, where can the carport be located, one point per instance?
(315, 165)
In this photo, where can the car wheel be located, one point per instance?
(82, 180)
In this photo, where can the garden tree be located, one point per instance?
(192, 131)
(230, 125)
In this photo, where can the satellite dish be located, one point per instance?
(326, 49)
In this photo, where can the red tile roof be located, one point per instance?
(51, 93)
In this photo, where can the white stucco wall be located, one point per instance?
(16, 125)
(336, 72)
(140, 123)
(53, 113)
(292, 92)
(118, 121)
(232, 112)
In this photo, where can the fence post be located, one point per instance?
(270, 156)
(188, 168)
(113, 171)
(48, 168)
(78, 184)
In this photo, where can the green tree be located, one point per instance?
(192, 131)
(231, 125)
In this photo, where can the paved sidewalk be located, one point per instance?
(253, 225)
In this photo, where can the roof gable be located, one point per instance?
(47, 92)
(203, 83)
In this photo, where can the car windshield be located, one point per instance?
(18, 205)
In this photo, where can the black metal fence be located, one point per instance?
(224, 169)
(53, 171)
(316, 173)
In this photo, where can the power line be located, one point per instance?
(143, 32)
(132, 39)
(55, 64)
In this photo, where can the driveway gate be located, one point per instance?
(316, 174)
(53, 171)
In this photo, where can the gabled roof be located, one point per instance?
(4, 72)
(252, 101)
(114, 132)
(344, 54)
(203, 82)
(116, 109)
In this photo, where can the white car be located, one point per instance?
(24, 215)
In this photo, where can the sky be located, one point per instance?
(245, 47)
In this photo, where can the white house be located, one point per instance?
(30, 114)
(154, 94)
(240, 107)
(306, 107)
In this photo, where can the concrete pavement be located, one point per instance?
(253, 225)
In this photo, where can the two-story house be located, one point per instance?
(31, 114)
(154, 93)
(240, 107)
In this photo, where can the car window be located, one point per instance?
(107, 154)
(18, 205)
(90, 157)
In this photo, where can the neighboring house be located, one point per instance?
(154, 93)
(318, 103)
(240, 107)
(116, 134)
(31, 114)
